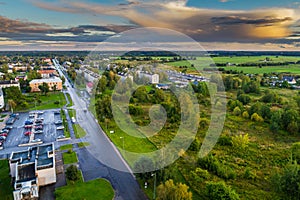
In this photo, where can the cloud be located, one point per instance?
(200, 24)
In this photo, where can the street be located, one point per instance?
(101, 155)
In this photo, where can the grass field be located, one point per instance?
(79, 132)
(99, 189)
(48, 102)
(200, 63)
(70, 157)
(70, 100)
(66, 147)
(6, 188)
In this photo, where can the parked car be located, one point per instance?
(28, 126)
(3, 134)
(40, 112)
(2, 138)
(38, 132)
(61, 137)
(28, 122)
(58, 122)
(36, 140)
(31, 116)
(39, 122)
(8, 127)
(57, 112)
(60, 127)
(40, 118)
(28, 133)
(4, 131)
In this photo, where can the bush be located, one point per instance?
(287, 183)
(255, 117)
(237, 111)
(220, 191)
(225, 140)
(240, 141)
(245, 115)
(213, 165)
(72, 173)
(296, 151)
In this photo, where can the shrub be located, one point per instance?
(237, 111)
(225, 140)
(255, 117)
(213, 165)
(220, 191)
(72, 173)
(240, 141)
(296, 151)
(245, 115)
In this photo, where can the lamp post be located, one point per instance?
(154, 186)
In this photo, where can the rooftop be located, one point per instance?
(46, 80)
(26, 172)
(39, 154)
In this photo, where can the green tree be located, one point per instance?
(12, 104)
(44, 88)
(169, 190)
(288, 182)
(220, 191)
(72, 173)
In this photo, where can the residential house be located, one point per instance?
(11, 83)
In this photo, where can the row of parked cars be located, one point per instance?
(34, 125)
(4, 133)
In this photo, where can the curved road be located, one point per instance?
(103, 150)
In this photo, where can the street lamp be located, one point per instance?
(154, 187)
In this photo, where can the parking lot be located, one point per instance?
(49, 130)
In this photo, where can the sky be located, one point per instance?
(214, 24)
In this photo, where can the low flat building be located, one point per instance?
(31, 169)
(34, 84)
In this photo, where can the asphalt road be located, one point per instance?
(102, 156)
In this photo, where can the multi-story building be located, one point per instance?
(153, 78)
(47, 73)
(34, 84)
(11, 83)
(31, 169)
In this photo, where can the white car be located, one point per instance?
(36, 140)
(60, 128)
(61, 137)
(38, 132)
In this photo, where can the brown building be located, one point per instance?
(34, 84)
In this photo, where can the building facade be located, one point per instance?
(34, 84)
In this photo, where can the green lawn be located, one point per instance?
(72, 113)
(201, 62)
(83, 144)
(70, 100)
(79, 132)
(6, 188)
(47, 102)
(66, 147)
(99, 189)
(70, 157)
